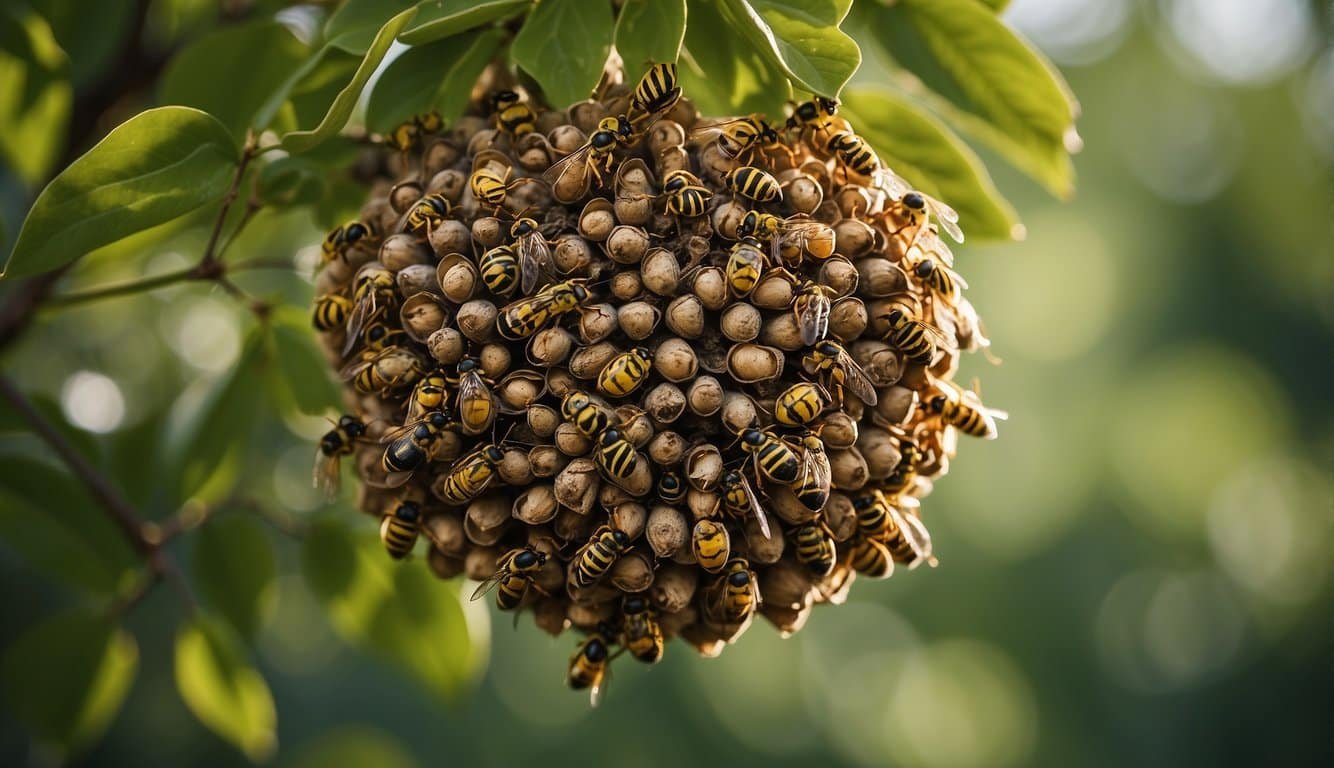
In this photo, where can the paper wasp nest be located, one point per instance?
(643, 373)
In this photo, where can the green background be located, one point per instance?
(1137, 571)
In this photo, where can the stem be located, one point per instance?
(103, 492)
(210, 250)
(123, 289)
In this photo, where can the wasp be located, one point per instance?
(515, 576)
(815, 548)
(854, 153)
(336, 443)
(656, 93)
(533, 249)
(499, 267)
(380, 373)
(773, 458)
(737, 591)
(905, 471)
(373, 292)
(398, 529)
(942, 280)
(476, 403)
(742, 138)
(589, 664)
(640, 633)
(907, 216)
(788, 238)
(513, 115)
(407, 135)
(800, 404)
(745, 265)
(491, 187)
(586, 415)
(597, 556)
(711, 544)
(429, 395)
(686, 196)
(909, 542)
(625, 373)
(471, 475)
(740, 498)
(814, 116)
(596, 156)
(871, 558)
(753, 184)
(811, 306)
(527, 316)
(873, 517)
(964, 411)
(427, 213)
(331, 311)
(343, 237)
(615, 455)
(914, 339)
(812, 485)
(411, 446)
(671, 488)
(837, 369)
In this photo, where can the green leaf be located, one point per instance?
(204, 75)
(56, 527)
(413, 83)
(319, 83)
(354, 746)
(437, 19)
(352, 27)
(564, 45)
(346, 101)
(35, 95)
(386, 608)
(988, 81)
(152, 168)
(202, 457)
(222, 689)
(89, 33)
(723, 73)
(649, 32)
(66, 677)
(929, 156)
(290, 181)
(801, 37)
(303, 368)
(995, 5)
(234, 568)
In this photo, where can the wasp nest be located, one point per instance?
(646, 374)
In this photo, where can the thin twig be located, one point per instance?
(103, 492)
(143, 285)
(210, 253)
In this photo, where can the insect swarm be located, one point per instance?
(674, 374)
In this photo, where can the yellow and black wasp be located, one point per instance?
(671, 487)
(334, 445)
(800, 404)
(910, 543)
(596, 557)
(383, 372)
(476, 405)
(815, 548)
(737, 592)
(590, 662)
(754, 184)
(963, 410)
(905, 471)
(533, 250)
(527, 316)
(871, 558)
(514, 117)
(596, 156)
(471, 475)
(711, 544)
(812, 485)
(813, 117)
(411, 447)
(741, 138)
(740, 499)
(491, 187)
(429, 395)
(331, 311)
(686, 196)
(399, 529)
(811, 306)
(427, 213)
(343, 237)
(615, 455)
(910, 211)
(745, 266)
(641, 634)
(916, 340)
(587, 416)
(836, 369)
(788, 239)
(407, 135)
(943, 281)
(655, 94)
(499, 267)
(625, 373)
(373, 292)
(514, 575)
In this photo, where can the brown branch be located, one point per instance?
(117, 508)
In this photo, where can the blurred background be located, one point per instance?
(1138, 571)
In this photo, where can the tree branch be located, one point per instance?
(116, 506)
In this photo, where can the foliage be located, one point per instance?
(244, 120)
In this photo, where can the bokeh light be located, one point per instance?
(1242, 41)
(92, 401)
(205, 333)
(1072, 31)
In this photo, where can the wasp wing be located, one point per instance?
(755, 507)
(856, 379)
(812, 311)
